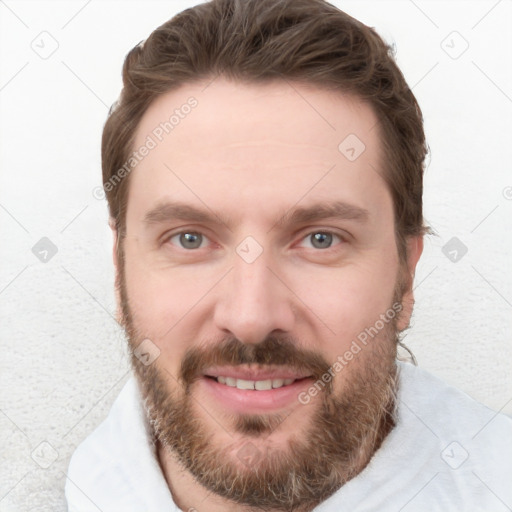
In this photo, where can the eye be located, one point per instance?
(188, 240)
(320, 240)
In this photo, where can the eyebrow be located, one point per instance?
(322, 211)
(168, 211)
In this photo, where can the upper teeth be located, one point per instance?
(260, 385)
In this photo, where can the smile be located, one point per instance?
(257, 385)
(254, 390)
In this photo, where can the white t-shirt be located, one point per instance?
(446, 453)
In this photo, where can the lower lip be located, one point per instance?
(249, 400)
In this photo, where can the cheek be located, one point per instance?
(158, 299)
(350, 299)
(169, 305)
(158, 312)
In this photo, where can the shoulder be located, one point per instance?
(446, 408)
(97, 475)
(446, 452)
(469, 454)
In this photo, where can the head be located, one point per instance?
(263, 169)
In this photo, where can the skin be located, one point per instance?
(249, 154)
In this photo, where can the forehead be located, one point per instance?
(232, 144)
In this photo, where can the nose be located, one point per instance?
(253, 302)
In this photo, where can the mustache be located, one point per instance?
(273, 350)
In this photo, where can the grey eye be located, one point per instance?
(190, 240)
(321, 240)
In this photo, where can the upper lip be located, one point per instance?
(247, 373)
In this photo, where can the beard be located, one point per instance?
(344, 428)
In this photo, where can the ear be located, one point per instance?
(115, 236)
(414, 250)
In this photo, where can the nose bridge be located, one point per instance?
(252, 301)
(251, 281)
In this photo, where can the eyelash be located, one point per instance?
(341, 238)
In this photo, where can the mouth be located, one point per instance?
(256, 385)
(246, 390)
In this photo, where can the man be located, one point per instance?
(263, 169)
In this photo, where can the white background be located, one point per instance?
(63, 358)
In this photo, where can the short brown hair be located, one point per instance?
(307, 41)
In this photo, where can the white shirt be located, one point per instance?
(446, 453)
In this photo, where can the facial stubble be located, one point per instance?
(345, 428)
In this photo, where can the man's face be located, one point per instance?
(260, 252)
